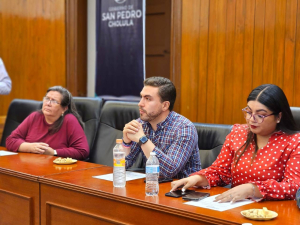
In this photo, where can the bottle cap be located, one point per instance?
(119, 141)
(152, 153)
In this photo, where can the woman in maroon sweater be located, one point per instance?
(56, 129)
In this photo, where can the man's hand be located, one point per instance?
(133, 131)
(136, 137)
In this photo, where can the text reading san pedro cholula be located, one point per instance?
(121, 18)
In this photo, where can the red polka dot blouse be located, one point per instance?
(275, 168)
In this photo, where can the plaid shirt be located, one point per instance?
(176, 146)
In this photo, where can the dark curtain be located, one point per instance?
(120, 47)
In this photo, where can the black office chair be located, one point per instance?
(89, 109)
(114, 116)
(211, 138)
(296, 115)
(18, 110)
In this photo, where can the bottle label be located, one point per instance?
(119, 162)
(152, 169)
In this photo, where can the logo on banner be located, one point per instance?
(121, 16)
(120, 1)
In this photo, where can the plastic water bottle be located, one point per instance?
(152, 174)
(119, 175)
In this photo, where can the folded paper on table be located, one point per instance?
(3, 153)
(209, 203)
(129, 176)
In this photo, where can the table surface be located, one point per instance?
(32, 166)
(79, 176)
(134, 193)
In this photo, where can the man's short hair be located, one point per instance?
(166, 89)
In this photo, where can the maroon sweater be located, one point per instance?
(69, 141)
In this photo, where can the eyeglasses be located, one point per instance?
(46, 100)
(257, 117)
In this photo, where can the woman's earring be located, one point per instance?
(62, 114)
(278, 121)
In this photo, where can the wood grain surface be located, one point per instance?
(75, 197)
(230, 47)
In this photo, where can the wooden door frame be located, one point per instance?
(76, 47)
(175, 54)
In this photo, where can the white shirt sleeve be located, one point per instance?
(5, 82)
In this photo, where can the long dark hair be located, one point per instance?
(67, 101)
(275, 100)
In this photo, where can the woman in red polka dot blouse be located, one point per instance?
(261, 159)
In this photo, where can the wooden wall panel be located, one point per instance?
(230, 47)
(238, 66)
(32, 47)
(248, 52)
(258, 54)
(216, 59)
(212, 61)
(203, 40)
(158, 28)
(289, 54)
(175, 50)
(268, 59)
(43, 43)
(190, 59)
(229, 63)
(76, 46)
(279, 40)
(297, 61)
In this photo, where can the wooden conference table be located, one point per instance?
(70, 195)
(20, 187)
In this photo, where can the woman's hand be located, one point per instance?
(188, 182)
(35, 147)
(237, 193)
(49, 151)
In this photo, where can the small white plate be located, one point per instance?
(271, 215)
(60, 162)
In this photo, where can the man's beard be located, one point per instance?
(150, 116)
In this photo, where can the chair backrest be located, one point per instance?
(124, 98)
(18, 110)
(210, 141)
(89, 109)
(114, 116)
(296, 114)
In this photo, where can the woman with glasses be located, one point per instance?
(261, 159)
(56, 129)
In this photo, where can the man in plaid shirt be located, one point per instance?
(171, 136)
